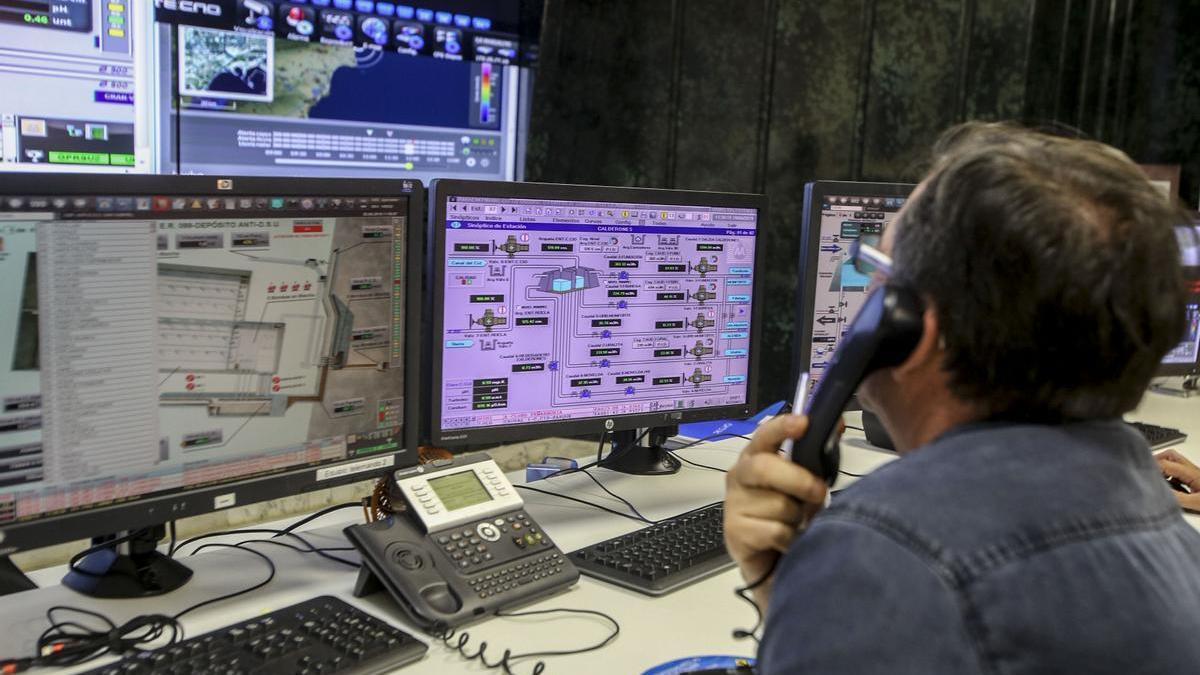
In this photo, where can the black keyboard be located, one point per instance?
(663, 557)
(1159, 437)
(322, 635)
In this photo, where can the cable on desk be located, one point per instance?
(856, 428)
(584, 470)
(852, 475)
(708, 439)
(263, 530)
(221, 533)
(698, 441)
(565, 652)
(68, 642)
(459, 642)
(618, 497)
(696, 464)
(581, 501)
(323, 512)
(638, 517)
(287, 531)
(227, 596)
(569, 470)
(310, 548)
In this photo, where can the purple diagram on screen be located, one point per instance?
(569, 310)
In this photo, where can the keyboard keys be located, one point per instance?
(323, 635)
(662, 557)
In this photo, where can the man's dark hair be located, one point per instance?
(1053, 267)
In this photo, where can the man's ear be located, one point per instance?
(928, 350)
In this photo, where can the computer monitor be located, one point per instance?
(830, 291)
(74, 78)
(263, 87)
(1184, 359)
(266, 87)
(568, 310)
(170, 346)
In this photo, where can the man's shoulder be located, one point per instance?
(876, 579)
(990, 482)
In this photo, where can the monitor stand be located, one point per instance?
(12, 579)
(131, 569)
(651, 459)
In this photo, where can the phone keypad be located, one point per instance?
(478, 544)
(517, 575)
(464, 548)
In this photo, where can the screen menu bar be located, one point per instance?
(191, 206)
(598, 213)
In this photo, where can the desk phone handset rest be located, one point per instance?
(465, 548)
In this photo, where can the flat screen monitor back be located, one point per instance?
(568, 310)
(830, 291)
(177, 345)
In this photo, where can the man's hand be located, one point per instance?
(768, 498)
(1179, 469)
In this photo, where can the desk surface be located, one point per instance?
(696, 620)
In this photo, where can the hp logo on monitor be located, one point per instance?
(608, 425)
(224, 183)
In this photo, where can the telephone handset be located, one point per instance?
(883, 334)
(463, 549)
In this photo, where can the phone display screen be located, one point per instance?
(459, 490)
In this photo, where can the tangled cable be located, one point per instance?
(68, 642)
(459, 641)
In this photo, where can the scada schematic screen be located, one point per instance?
(561, 310)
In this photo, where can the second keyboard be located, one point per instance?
(663, 557)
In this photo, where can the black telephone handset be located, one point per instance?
(883, 334)
(463, 549)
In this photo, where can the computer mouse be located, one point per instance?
(440, 598)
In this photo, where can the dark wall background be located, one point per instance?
(765, 95)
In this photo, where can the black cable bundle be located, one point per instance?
(67, 642)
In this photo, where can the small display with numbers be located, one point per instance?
(74, 15)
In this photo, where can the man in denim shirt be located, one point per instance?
(1025, 528)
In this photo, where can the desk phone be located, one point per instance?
(463, 549)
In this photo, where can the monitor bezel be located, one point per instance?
(810, 244)
(1192, 277)
(159, 508)
(457, 438)
(1181, 369)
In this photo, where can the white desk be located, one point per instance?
(695, 620)
(1180, 413)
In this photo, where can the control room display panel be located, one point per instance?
(561, 310)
